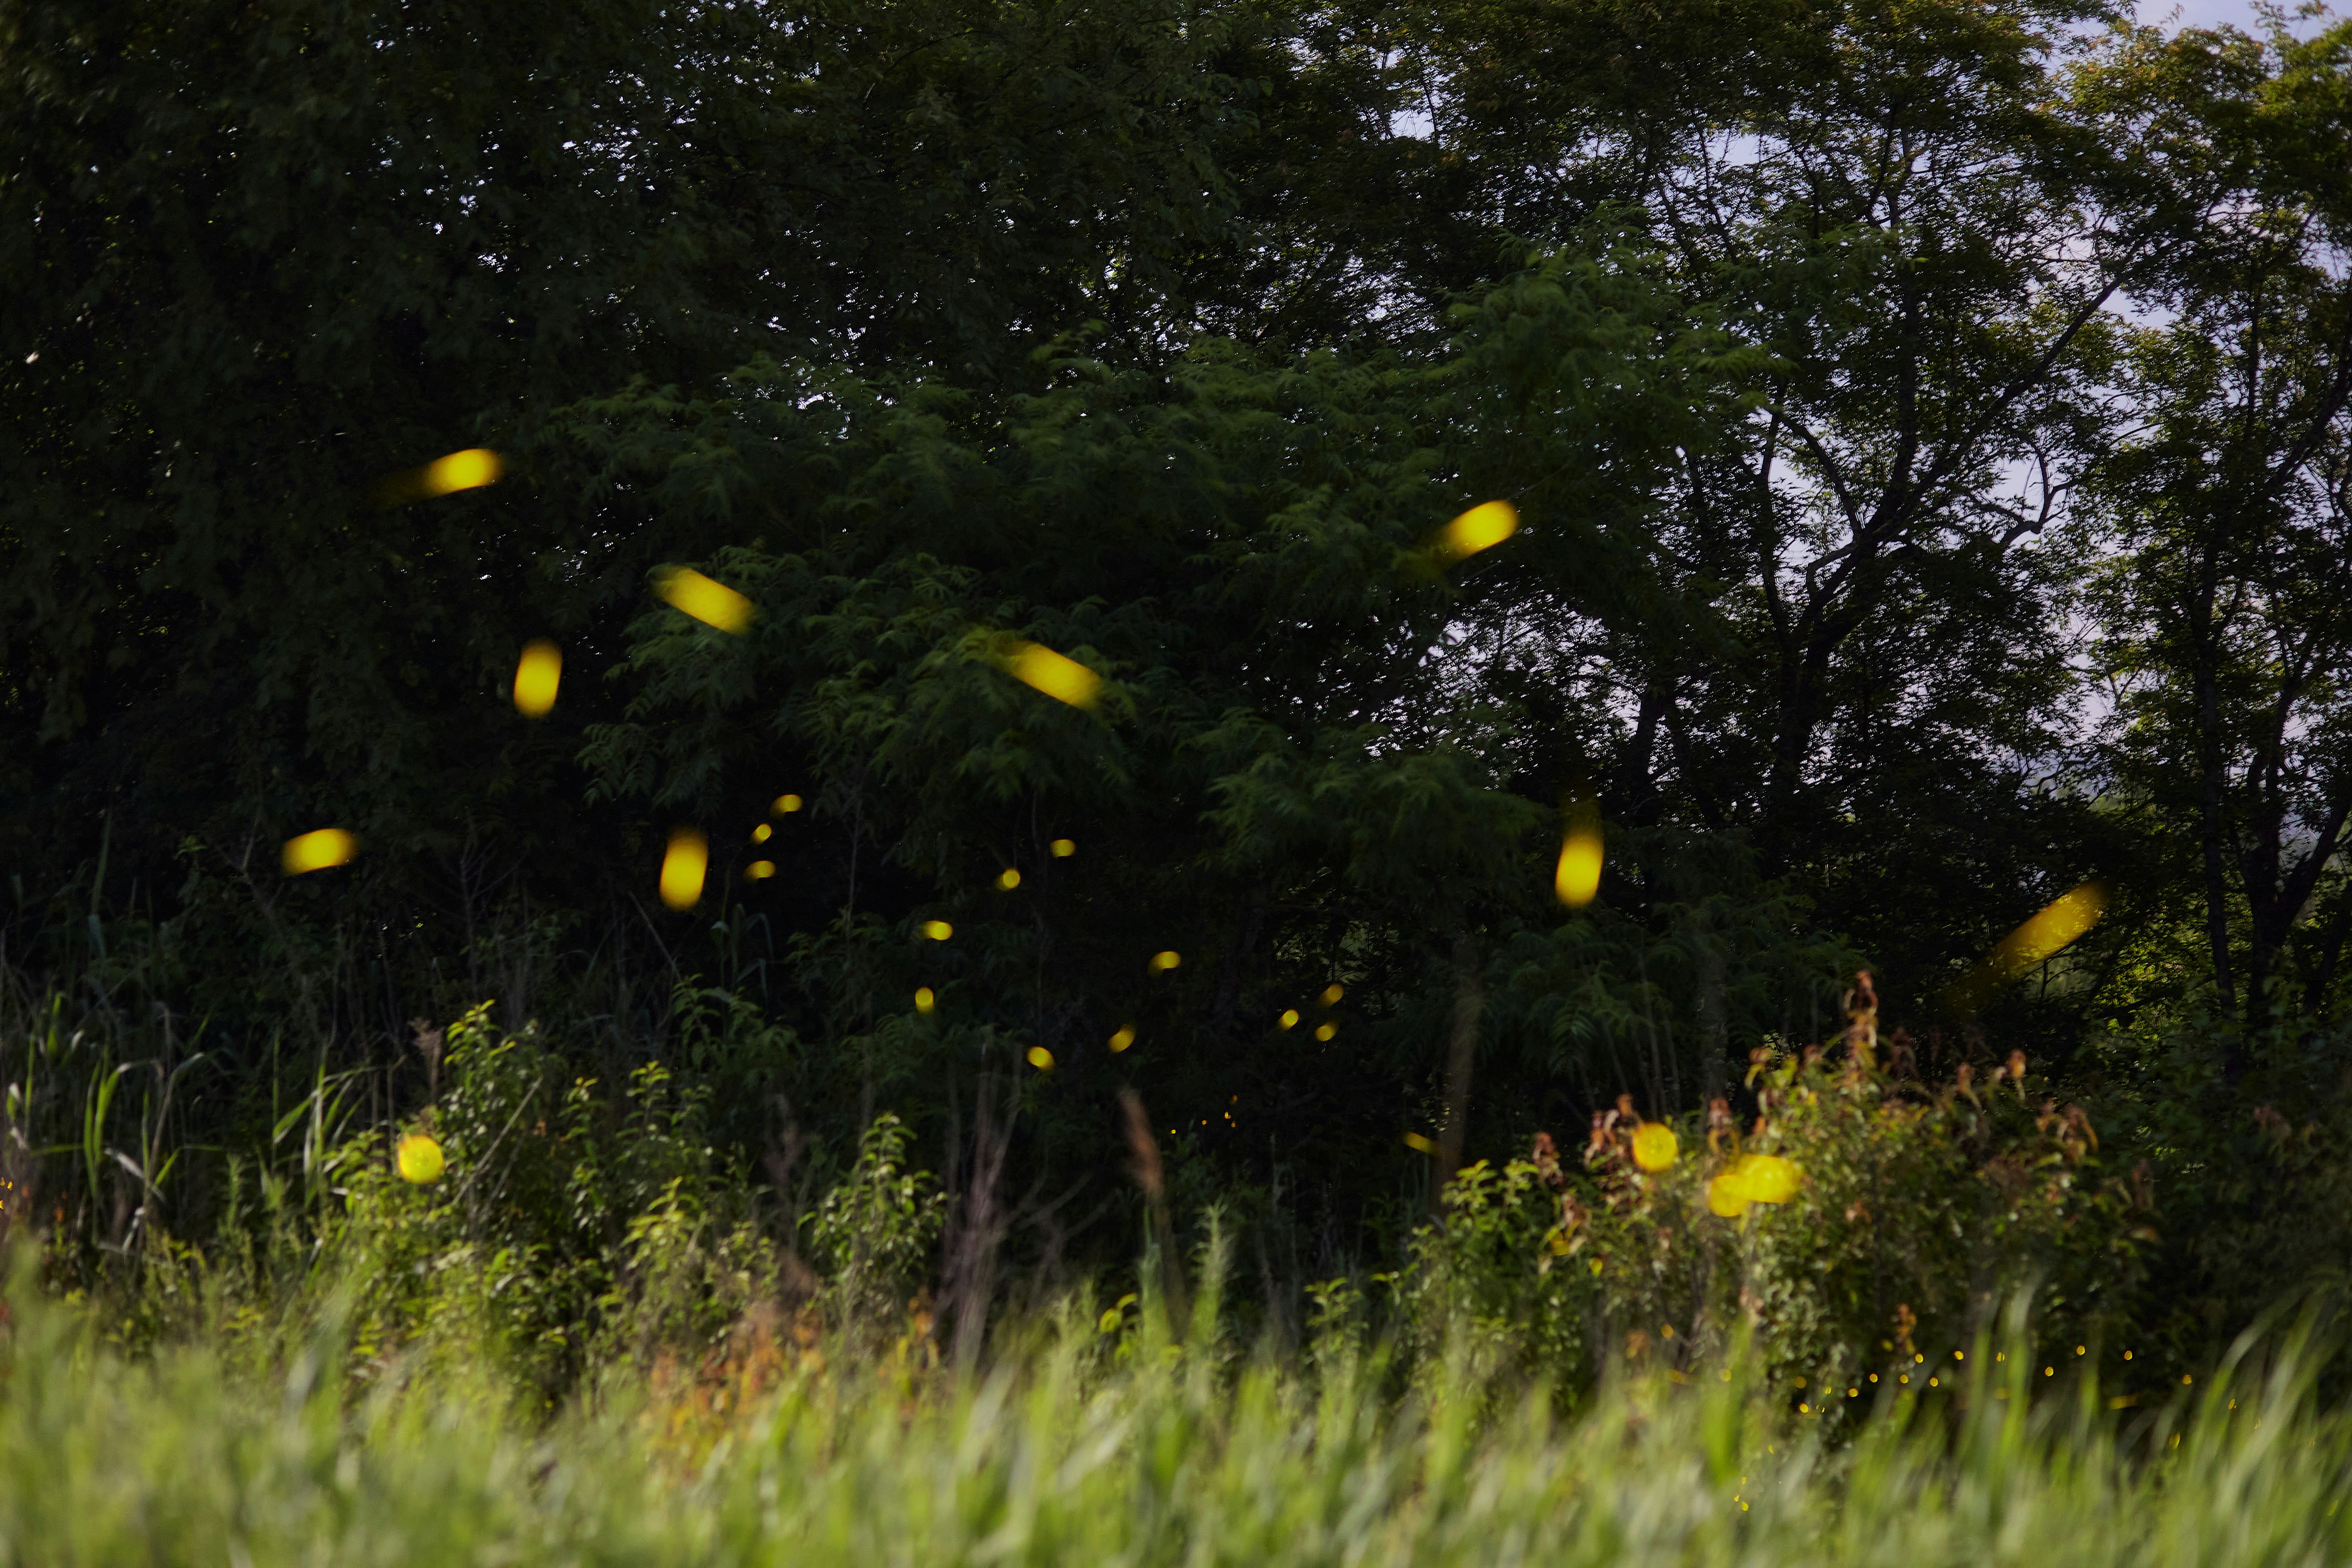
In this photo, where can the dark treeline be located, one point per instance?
(1928, 424)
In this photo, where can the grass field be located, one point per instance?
(1099, 1449)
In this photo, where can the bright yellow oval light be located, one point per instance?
(1060, 678)
(1289, 1019)
(1122, 1038)
(1577, 879)
(419, 1159)
(1727, 1196)
(1331, 995)
(1041, 1059)
(712, 603)
(760, 870)
(1767, 1178)
(1415, 1141)
(1655, 1146)
(1480, 528)
(537, 674)
(787, 804)
(467, 471)
(1009, 880)
(924, 1000)
(1064, 848)
(1164, 961)
(937, 931)
(683, 867)
(317, 851)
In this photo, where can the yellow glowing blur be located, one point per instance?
(536, 674)
(1655, 1146)
(1766, 1178)
(2044, 936)
(1289, 1019)
(924, 1000)
(937, 931)
(712, 603)
(1577, 878)
(1122, 1038)
(1331, 995)
(787, 804)
(1041, 1059)
(1325, 1031)
(1727, 1196)
(683, 866)
(1416, 1141)
(1480, 528)
(1064, 848)
(1164, 961)
(419, 1159)
(1009, 880)
(760, 870)
(317, 851)
(1061, 678)
(467, 471)
(762, 833)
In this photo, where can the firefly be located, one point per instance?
(1577, 879)
(1009, 880)
(317, 851)
(1289, 1019)
(536, 674)
(1063, 679)
(787, 804)
(1041, 1059)
(924, 1000)
(760, 870)
(1415, 1142)
(683, 865)
(1064, 848)
(1164, 961)
(1480, 528)
(1655, 1146)
(419, 1160)
(1331, 995)
(1325, 1031)
(713, 604)
(2048, 932)
(937, 931)
(762, 833)
(1122, 1038)
(467, 471)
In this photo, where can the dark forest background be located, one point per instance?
(1929, 420)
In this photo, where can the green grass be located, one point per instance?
(1086, 1450)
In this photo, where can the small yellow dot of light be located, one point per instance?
(1960, 1356)
(1932, 1383)
(1904, 1378)
(2127, 1355)
(1064, 848)
(1853, 1393)
(787, 804)
(1289, 1018)
(762, 833)
(760, 870)
(1331, 995)
(1009, 880)
(1804, 1409)
(2001, 1355)
(1919, 1358)
(1325, 1031)
(2049, 1372)
(2185, 1380)
(2078, 1349)
(1873, 1378)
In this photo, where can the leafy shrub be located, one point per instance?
(1919, 1211)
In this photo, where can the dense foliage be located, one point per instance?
(1928, 424)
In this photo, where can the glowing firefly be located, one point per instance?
(1064, 848)
(760, 870)
(937, 931)
(683, 865)
(2043, 937)
(1060, 678)
(419, 1160)
(467, 471)
(536, 674)
(924, 1000)
(317, 851)
(1325, 1031)
(1577, 879)
(1122, 1038)
(1331, 995)
(1162, 962)
(1655, 1146)
(1480, 528)
(1419, 1144)
(787, 804)
(712, 603)
(1289, 1019)
(1009, 879)
(1041, 1059)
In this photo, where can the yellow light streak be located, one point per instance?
(317, 851)
(712, 603)
(684, 864)
(1577, 878)
(537, 674)
(1480, 528)
(1063, 679)
(1122, 1038)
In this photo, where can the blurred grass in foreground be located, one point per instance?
(1124, 1447)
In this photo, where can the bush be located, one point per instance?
(1917, 1212)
